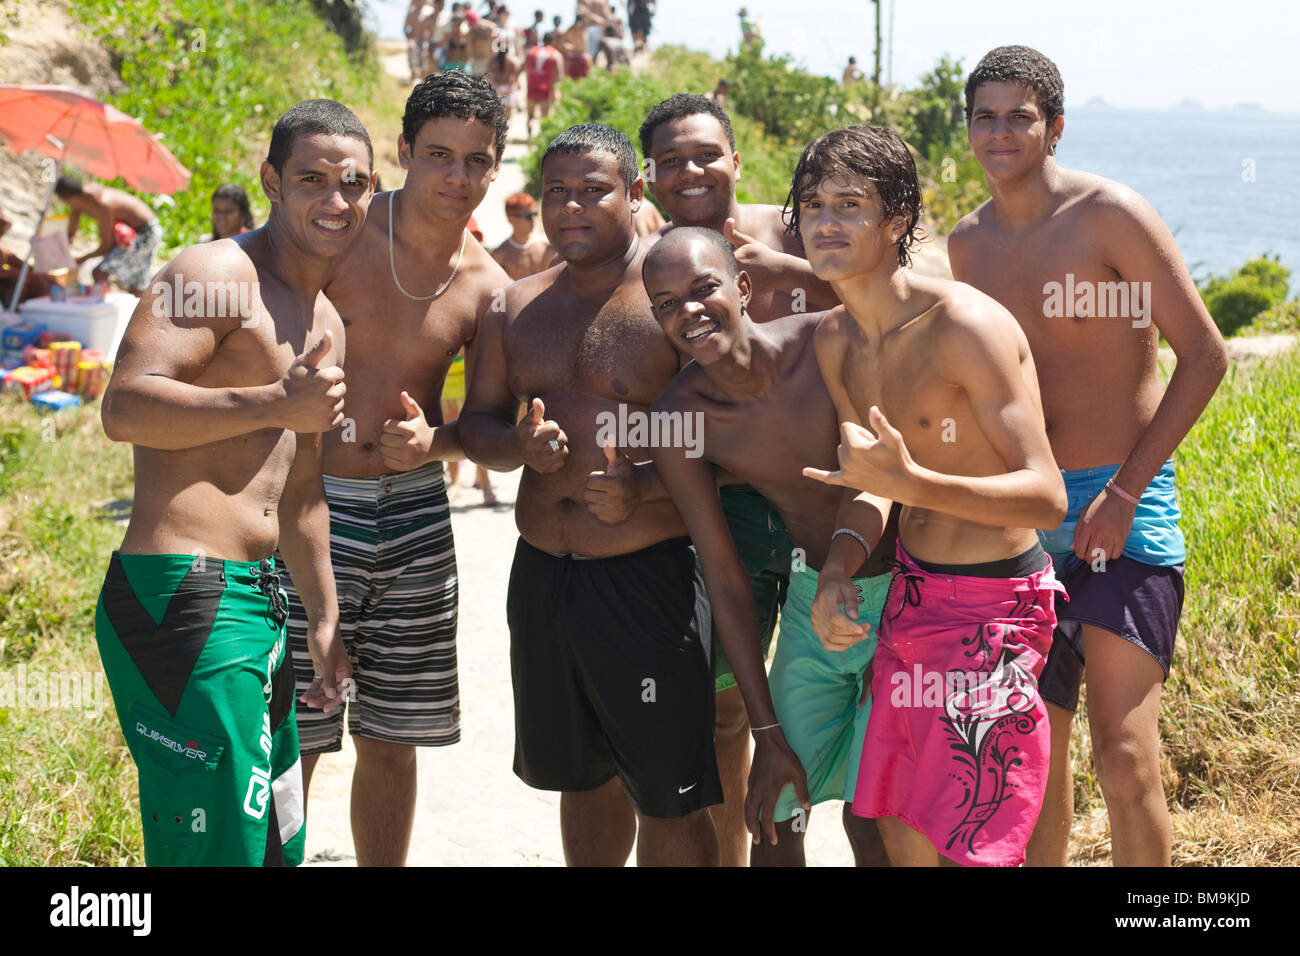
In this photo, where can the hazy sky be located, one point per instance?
(1132, 53)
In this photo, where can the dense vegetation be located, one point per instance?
(777, 108)
(210, 77)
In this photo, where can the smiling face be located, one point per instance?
(1008, 130)
(322, 196)
(586, 206)
(696, 299)
(695, 170)
(449, 167)
(844, 231)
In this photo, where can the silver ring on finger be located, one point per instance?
(555, 445)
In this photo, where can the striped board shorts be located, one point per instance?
(395, 572)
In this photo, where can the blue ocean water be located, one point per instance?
(1190, 167)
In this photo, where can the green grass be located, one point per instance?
(68, 779)
(1230, 720)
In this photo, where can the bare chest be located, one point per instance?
(619, 352)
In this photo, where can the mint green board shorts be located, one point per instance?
(815, 692)
(194, 652)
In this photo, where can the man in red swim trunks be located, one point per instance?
(544, 68)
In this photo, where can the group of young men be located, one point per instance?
(752, 414)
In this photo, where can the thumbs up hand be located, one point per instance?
(613, 494)
(405, 443)
(543, 445)
(311, 397)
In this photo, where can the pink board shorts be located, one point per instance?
(958, 742)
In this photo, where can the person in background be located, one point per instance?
(127, 253)
(750, 32)
(611, 45)
(231, 213)
(594, 15)
(545, 66)
(639, 15)
(572, 43)
(719, 94)
(851, 72)
(523, 254)
(34, 285)
(533, 32)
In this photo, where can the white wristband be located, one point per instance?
(856, 537)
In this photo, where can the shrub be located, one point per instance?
(1235, 300)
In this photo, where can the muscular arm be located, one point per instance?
(305, 534)
(150, 400)
(980, 352)
(1141, 249)
(486, 426)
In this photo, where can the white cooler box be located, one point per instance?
(96, 325)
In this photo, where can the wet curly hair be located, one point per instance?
(874, 153)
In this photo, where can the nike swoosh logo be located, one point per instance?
(684, 789)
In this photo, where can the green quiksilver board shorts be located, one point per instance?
(815, 692)
(764, 548)
(194, 649)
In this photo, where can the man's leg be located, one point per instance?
(906, 846)
(383, 802)
(597, 827)
(685, 841)
(1123, 713)
(1050, 844)
(789, 849)
(731, 740)
(308, 768)
(865, 839)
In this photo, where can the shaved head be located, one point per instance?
(681, 237)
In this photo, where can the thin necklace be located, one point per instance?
(518, 245)
(393, 265)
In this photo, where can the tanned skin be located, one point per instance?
(107, 206)
(521, 263)
(766, 411)
(917, 352)
(1103, 404)
(574, 341)
(399, 351)
(695, 176)
(225, 411)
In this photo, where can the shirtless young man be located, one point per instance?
(689, 146)
(523, 254)
(1112, 431)
(956, 751)
(408, 294)
(608, 625)
(223, 410)
(758, 394)
(692, 169)
(130, 265)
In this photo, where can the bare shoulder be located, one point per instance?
(1109, 204)
(967, 321)
(766, 223)
(831, 326)
(682, 393)
(970, 224)
(222, 260)
(520, 293)
(482, 270)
